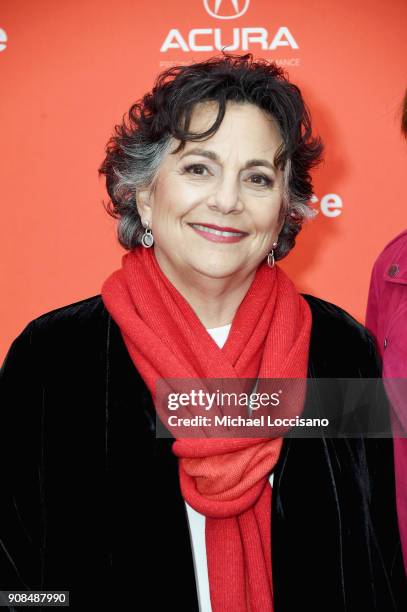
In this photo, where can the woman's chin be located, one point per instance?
(218, 269)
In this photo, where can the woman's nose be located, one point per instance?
(226, 197)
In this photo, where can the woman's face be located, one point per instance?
(215, 207)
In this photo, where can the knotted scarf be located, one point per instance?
(224, 479)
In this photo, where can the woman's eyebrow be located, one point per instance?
(215, 157)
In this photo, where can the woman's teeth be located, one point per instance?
(210, 230)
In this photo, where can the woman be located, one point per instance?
(209, 178)
(386, 318)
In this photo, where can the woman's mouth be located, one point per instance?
(217, 234)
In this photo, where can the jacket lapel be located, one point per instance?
(143, 480)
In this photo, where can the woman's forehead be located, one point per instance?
(244, 124)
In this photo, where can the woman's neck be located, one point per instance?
(214, 300)
(214, 305)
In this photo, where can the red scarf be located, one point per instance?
(224, 479)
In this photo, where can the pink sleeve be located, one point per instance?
(372, 311)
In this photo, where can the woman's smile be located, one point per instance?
(215, 233)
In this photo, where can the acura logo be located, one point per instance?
(231, 9)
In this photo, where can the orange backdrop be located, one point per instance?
(69, 70)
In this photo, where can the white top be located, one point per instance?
(197, 521)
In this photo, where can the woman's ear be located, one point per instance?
(281, 225)
(144, 203)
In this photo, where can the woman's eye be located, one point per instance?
(198, 169)
(201, 170)
(260, 179)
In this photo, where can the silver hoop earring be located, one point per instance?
(147, 240)
(270, 257)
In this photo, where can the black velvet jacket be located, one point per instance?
(90, 499)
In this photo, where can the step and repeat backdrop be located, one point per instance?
(70, 70)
